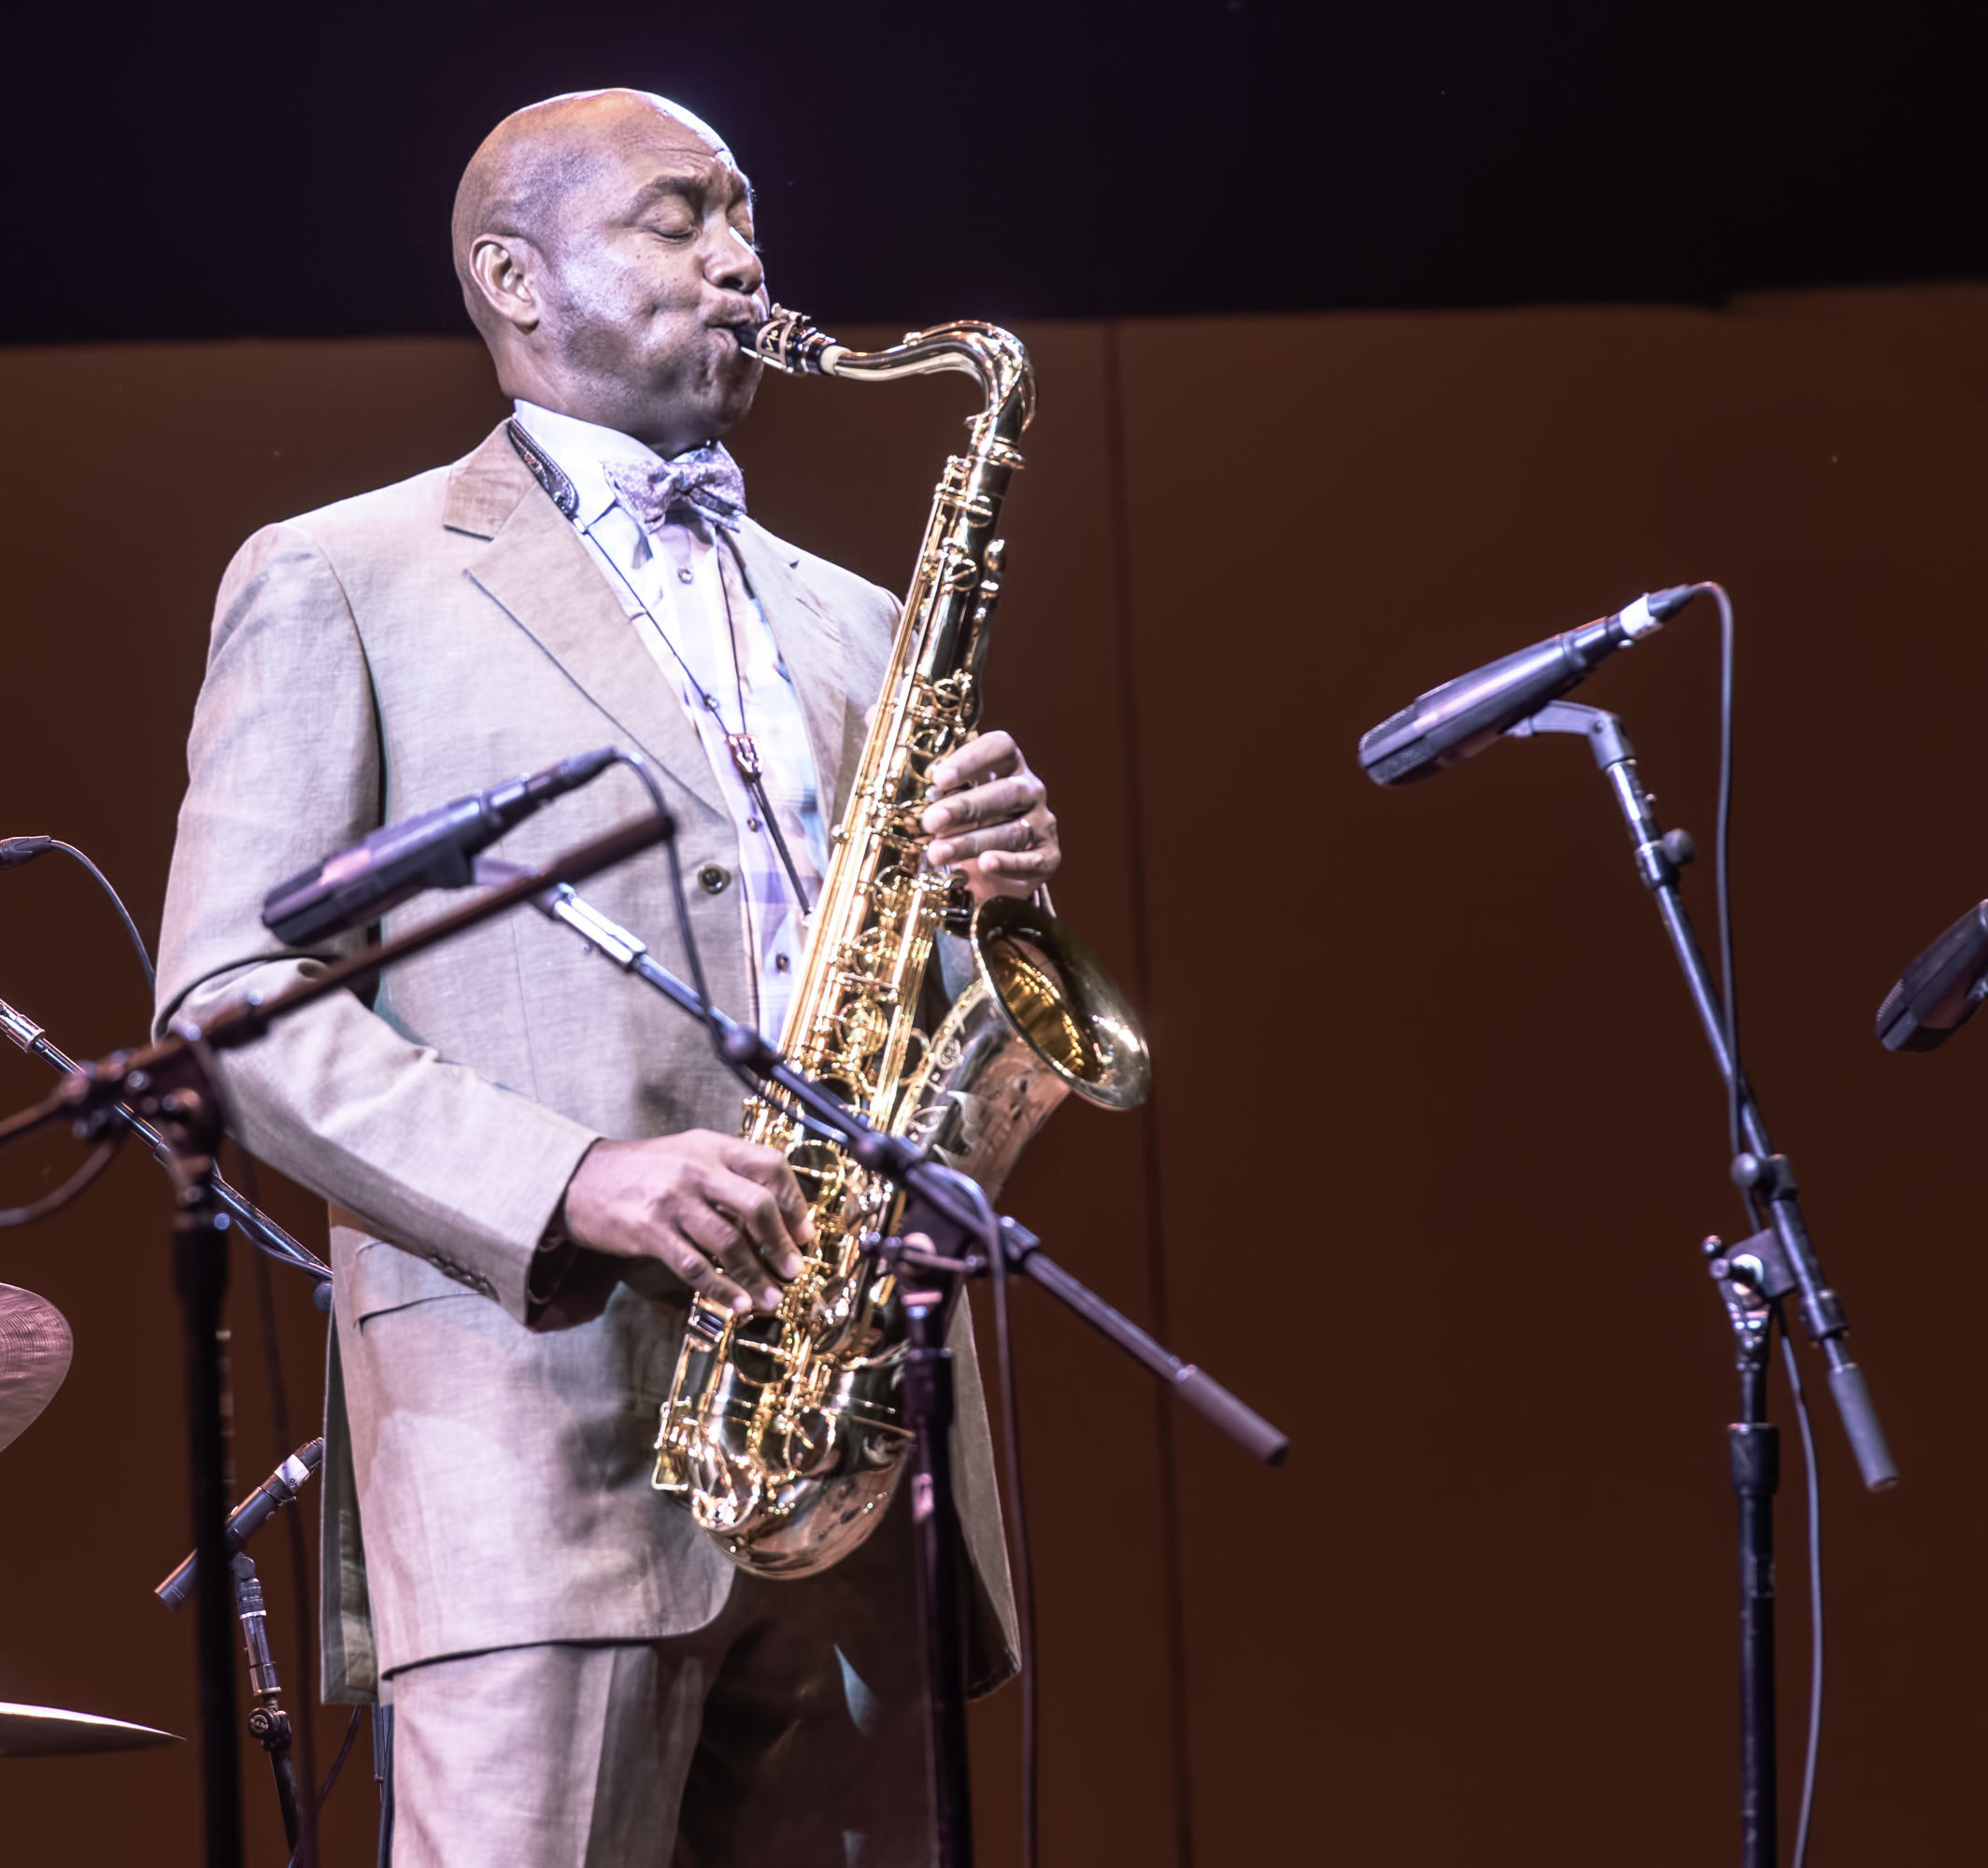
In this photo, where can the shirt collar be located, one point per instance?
(582, 449)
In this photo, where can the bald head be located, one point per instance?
(535, 161)
(603, 242)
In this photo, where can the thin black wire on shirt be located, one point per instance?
(705, 696)
(755, 783)
(757, 779)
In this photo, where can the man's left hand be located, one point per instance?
(990, 819)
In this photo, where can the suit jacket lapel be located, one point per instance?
(810, 643)
(536, 567)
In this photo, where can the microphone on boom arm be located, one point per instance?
(279, 1489)
(1940, 991)
(433, 850)
(1451, 723)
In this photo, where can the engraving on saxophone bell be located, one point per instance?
(782, 1433)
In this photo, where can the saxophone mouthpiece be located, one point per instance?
(788, 341)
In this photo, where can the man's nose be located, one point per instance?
(733, 267)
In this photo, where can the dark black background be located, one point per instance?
(244, 171)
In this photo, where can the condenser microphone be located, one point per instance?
(433, 850)
(1940, 991)
(1451, 723)
(278, 1489)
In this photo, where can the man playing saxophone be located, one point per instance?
(533, 1165)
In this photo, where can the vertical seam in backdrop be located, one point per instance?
(1149, 1115)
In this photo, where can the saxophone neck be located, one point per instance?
(996, 357)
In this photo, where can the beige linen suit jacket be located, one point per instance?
(491, 1404)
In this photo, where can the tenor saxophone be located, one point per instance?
(783, 1432)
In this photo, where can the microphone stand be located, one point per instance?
(174, 1084)
(1752, 1278)
(174, 1087)
(956, 1214)
(268, 1723)
(263, 1232)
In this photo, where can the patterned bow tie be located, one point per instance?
(705, 478)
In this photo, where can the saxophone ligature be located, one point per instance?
(782, 1431)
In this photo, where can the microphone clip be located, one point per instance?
(1602, 730)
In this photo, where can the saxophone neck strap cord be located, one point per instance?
(745, 753)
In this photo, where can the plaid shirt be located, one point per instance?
(669, 584)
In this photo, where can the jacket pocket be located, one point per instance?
(384, 1278)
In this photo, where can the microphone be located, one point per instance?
(433, 850)
(1940, 991)
(278, 1489)
(1451, 723)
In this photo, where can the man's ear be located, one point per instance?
(503, 267)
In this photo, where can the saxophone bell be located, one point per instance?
(1040, 1020)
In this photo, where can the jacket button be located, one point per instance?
(712, 879)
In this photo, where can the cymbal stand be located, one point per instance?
(178, 1095)
(268, 1723)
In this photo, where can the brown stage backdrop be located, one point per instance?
(1435, 1138)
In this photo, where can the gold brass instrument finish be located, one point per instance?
(782, 1431)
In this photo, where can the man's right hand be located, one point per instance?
(718, 1211)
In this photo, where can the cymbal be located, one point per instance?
(34, 1350)
(47, 1732)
